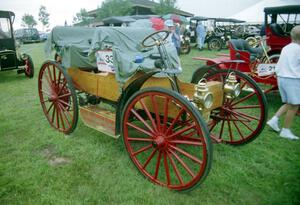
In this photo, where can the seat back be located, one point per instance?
(277, 30)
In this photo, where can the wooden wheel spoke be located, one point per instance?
(141, 119)
(186, 154)
(243, 122)
(154, 104)
(50, 107)
(175, 169)
(140, 139)
(166, 109)
(63, 86)
(46, 93)
(53, 113)
(65, 116)
(178, 133)
(61, 117)
(157, 165)
(65, 95)
(175, 120)
(247, 107)
(148, 114)
(149, 158)
(167, 170)
(229, 128)
(184, 165)
(139, 129)
(246, 116)
(49, 74)
(57, 117)
(143, 149)
(64, 103)
(186, 142)
(222, 128)
(238, 129)
(243, 99)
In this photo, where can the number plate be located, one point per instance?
(105, 61)
(266, 69)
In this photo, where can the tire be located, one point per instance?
(185, 49)
(272, 58)
(29, 67)
(58, 97)
(215, 44)
(242, 119)
(202, 72)
(170, 148)
(252, 41)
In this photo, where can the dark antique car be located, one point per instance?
(9, 57)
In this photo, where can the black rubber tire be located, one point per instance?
(214, 44)
(202, 72)
(189, 110)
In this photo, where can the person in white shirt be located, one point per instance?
(288, 77)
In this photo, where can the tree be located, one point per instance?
(28, 20)
(114, 8)
(82, 17)
(165, 7)
(44, 17)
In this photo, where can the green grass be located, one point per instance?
(266, 171)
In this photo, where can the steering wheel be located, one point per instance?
(155, 38)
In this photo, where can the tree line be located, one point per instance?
(108, 8)
(121, 8)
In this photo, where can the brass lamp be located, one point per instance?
(232, 88)
(202, 97)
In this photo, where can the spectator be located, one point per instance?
(175, 34)
(201, 33)
(288, 73)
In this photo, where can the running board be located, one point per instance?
(99, 119)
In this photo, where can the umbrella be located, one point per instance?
(154, 22)
(176, 18)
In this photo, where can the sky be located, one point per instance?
(64, 10)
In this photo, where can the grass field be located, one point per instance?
(95, 169)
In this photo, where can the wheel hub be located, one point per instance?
(160, 142)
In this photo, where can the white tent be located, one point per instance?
(255, 13)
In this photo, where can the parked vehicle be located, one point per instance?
(10, 58)
(27, 35)
(219, 31)
(167, 125)
(279, 22)
(185, 44)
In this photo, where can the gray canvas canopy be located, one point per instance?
(78, 46)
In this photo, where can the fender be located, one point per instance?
(129, 91)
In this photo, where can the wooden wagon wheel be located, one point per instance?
(166, 138)
(58, 97)
(239, 120)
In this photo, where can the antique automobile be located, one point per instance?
(10, 58)
(219, 31)
(279, 22)
(259, 63)
(124, 83)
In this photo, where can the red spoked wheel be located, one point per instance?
(29, 67)
(58, 97)
(166, 138)
(239, 120)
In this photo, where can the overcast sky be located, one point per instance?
(64, 10)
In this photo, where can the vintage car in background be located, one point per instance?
(10, 58)
(27, 35)
(124, 83)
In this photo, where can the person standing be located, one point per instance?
(288, 77)
(175, 34)
(201, 33)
